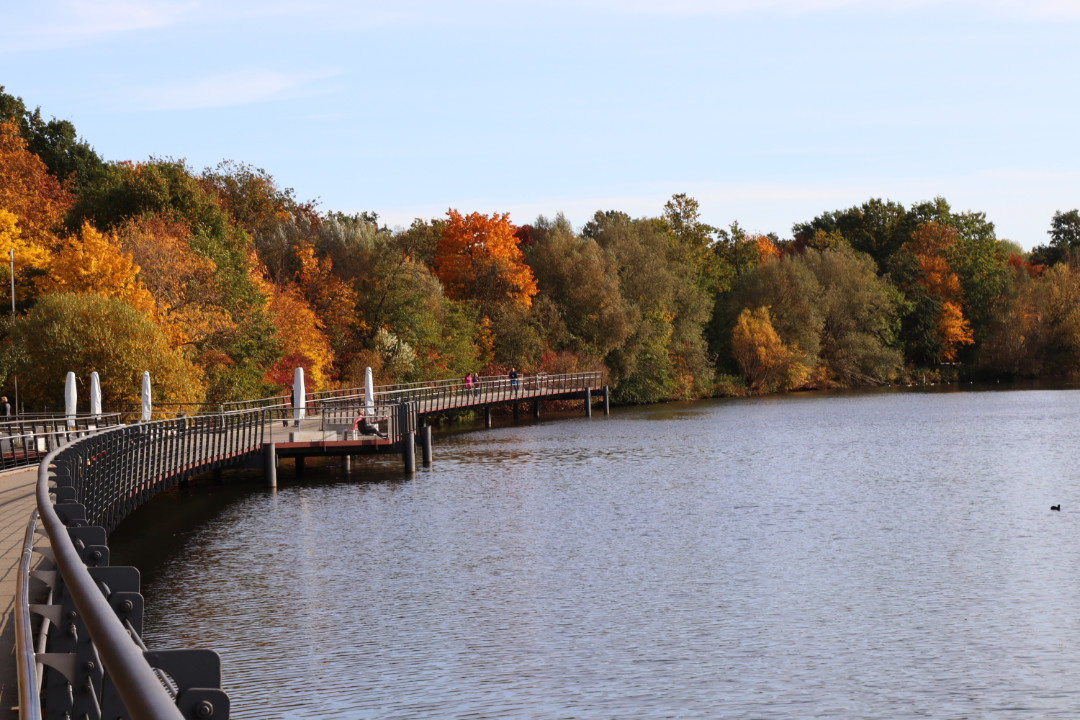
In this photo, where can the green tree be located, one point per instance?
(580, 284)
(55, 142)
(665, 355)
(1064, 242)
(86, 333)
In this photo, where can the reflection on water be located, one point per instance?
(856, 556)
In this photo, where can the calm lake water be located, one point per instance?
(881, 555)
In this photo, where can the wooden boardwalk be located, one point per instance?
(16, 505)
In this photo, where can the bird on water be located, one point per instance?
(1055, 507)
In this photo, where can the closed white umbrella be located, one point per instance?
(70, 398)
(95, 395)
(146, 405)
(369, 395)
(298, 395)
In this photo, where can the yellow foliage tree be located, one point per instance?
(29, 259)
(94, 263)
(768, 364)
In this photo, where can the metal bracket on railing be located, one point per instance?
(196, 676)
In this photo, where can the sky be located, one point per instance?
(768, 112)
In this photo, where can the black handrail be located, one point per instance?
(142, 694)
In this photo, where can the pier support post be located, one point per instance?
(299, 466)
(607, 400)
(348, 463)
(588, 402)
(408, 451)
(270, 464)
(425, 445)
(487, 416)
(536, 408)
(516, 406)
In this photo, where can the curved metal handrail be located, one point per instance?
(29, 708)
(143, 695)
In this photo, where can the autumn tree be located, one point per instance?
(31, 261)
(931, 245)
(182, 282)
(29, 191)
(300, 335)
(768, 364)
(236, 362)
(86, 333)
(478, 259)
(92, 262)
(831, 311)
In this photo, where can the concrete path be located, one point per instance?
(16, 504)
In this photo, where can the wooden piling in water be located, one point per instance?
(425, 445)
(588, 402)
(270, 464)
(408, 451)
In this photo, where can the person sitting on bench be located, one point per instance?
(366, 427)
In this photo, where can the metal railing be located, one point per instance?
(98, 665)
(443, 395)
(92, 478)
(28, 438)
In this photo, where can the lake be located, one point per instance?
(865, 555)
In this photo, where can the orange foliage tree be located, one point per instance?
(29, 191)
(181, 280)
(930, 244)
(300, 334)
(479, 258)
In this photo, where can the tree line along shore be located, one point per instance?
(221, 282)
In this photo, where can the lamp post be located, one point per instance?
(14, 375)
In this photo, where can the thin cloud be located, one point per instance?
(1023, 9)
(228, 90)
(52, 24)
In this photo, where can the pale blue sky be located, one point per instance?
(768, 112)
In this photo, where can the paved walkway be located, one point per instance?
(16, 504)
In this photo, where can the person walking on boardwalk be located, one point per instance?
(468, 384)
(513, 379)
(5, 406)
(476, 384)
